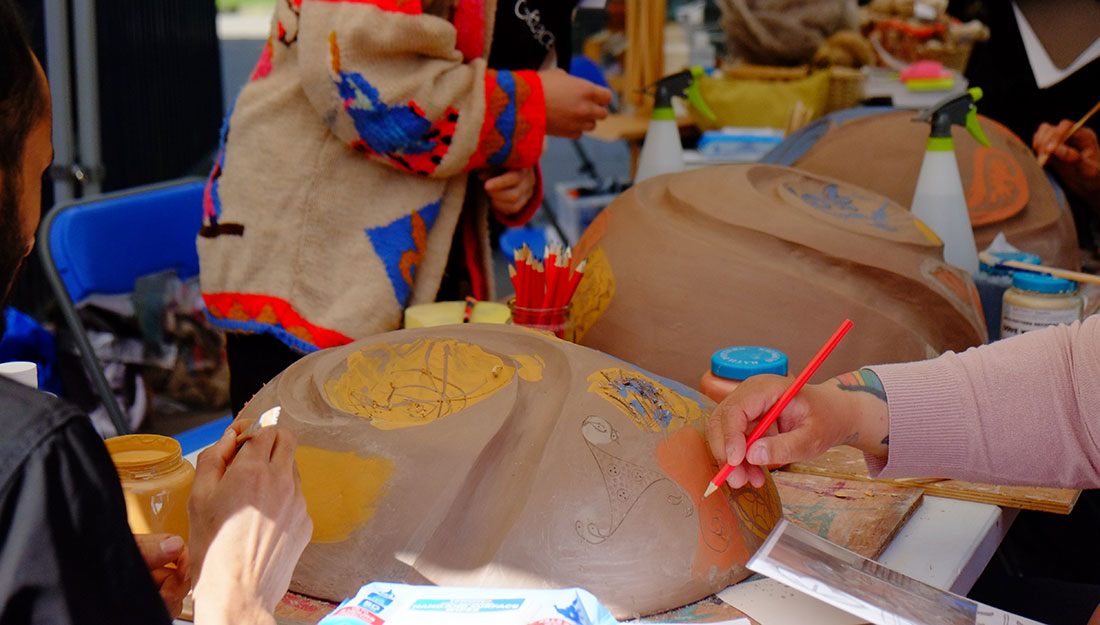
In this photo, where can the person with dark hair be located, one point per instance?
(66, 552)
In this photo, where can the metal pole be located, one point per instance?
(59, 73)
(87, 94)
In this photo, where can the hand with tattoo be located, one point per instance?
(849, 409)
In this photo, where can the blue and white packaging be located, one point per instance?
(402, 604)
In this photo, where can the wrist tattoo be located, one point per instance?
(864, 381)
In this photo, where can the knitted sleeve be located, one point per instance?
(1024, 410)
(393, 83)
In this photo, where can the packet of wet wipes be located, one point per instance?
(402, 604)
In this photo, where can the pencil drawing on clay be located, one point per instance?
(758, 254)
(491, 455)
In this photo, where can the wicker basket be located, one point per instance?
(845, 83)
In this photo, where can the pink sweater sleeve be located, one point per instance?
(1024, 410)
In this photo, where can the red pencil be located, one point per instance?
(784, 399)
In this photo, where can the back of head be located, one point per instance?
(22, 96)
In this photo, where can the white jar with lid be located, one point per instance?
(1036, 301)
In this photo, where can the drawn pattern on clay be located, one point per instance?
(757, 509)
(625, 481)
(649, 404)
(416, 383)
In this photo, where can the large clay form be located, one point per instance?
(685, 264)
(498, 456)
(1006, 190)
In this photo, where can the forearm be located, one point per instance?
(229, 606)
(859, 401)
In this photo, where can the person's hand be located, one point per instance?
(572, 104)
(248, 525)
(1076, 161)
(820, 416)
(159, 550)
(510, 191)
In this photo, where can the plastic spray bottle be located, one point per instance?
(661, 151)
(939, 200)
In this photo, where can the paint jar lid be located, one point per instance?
(1042, 283)
(1023, 257)
(743, 361)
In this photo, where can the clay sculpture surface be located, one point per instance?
(685, 264)
(484, 455)
(1006, 190)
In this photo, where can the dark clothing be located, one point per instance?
(253, 360)
(525, 31)
(66, 551)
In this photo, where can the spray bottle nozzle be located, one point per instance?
(682, 84)
(959, 110)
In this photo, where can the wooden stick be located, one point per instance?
(1077, 276)
(1066, 135)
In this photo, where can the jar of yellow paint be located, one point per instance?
(156, 482)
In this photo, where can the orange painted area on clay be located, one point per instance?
(998, 189)
(342, 490)
(416, 383)
(530, 367)
(649, 404)
(684, 458)
(594, 293)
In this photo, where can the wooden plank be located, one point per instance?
(862, 516)
(847, 463)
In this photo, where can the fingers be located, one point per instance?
(213, 461)
(159, 549)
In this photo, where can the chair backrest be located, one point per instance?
(102, 245)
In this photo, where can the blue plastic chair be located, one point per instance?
(102, 245)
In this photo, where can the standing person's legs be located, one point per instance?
(253, 360)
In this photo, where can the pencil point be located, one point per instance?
(710, 489)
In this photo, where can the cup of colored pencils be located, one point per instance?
(544, 289)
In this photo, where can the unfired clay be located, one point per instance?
(1006, 190)
(499, 456)
(682, 265)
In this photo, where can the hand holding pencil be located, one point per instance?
(763, 400)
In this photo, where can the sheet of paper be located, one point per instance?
(768, 602)
(1046, 74)
(846, 580)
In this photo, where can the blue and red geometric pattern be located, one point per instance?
(401, 245)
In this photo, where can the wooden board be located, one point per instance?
(847, 463)
(862, 516)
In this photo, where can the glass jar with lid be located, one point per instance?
(1036, 301)
(156, 482)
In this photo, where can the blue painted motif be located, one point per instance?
(836, 205)
(506, 120)
(385, 129)
(401, 244)
(631, 389)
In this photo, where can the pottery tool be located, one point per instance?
(784, 399)
(268, 418)
(1016, 265)
(1069, 133)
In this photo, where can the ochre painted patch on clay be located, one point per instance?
(416, 383)
(342, 490)
(530, 367)
(649, 404)
(594, 293)
(683, 456)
